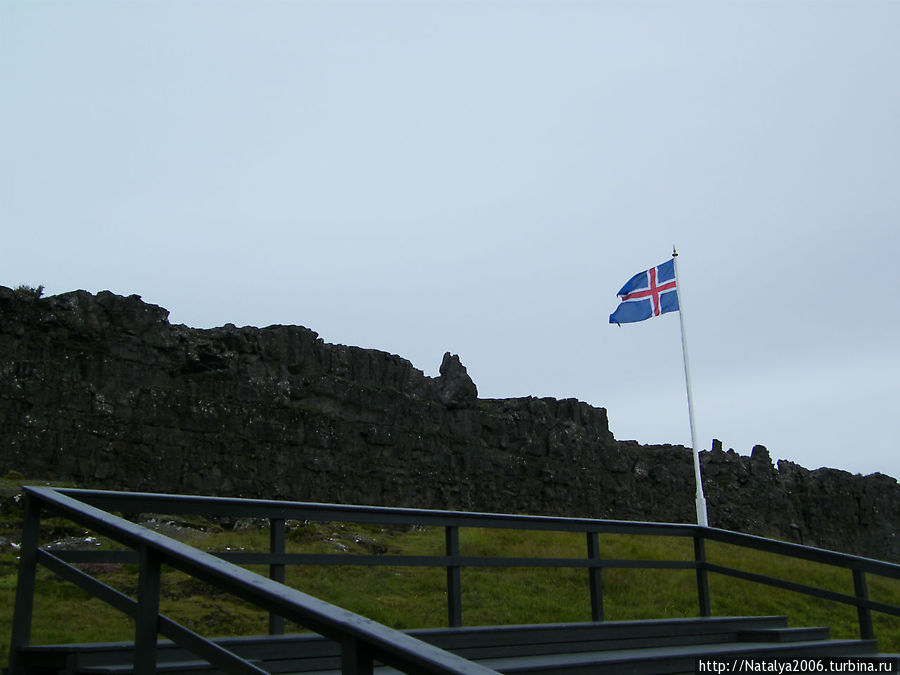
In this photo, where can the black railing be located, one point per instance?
(363, 641)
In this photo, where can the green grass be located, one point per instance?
(408, 597)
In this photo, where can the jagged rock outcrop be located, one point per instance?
(104, 391)
(455, 387)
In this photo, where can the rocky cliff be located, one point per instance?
(104, 391)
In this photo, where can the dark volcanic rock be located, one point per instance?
(102, 390)
(455, 388)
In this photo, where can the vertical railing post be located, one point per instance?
(355, 659)
(866, 629)
(595, 578)
(21, 628)
(454, 583)
(146, 627)
(276, 570)
(702, 578)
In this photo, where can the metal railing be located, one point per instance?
(363, 641)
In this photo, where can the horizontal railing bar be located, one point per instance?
(213, 653)
(124, 557)
(823, 593)
(443, 561)
(781, 583)
(387, 645)
(234, 507)
(819, 555)
(879, 607)
(350, 559)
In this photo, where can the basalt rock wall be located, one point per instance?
(102, 390)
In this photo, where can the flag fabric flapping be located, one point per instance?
(647, 294)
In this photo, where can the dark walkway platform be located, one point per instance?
(659, 646)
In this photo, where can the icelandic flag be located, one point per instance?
(647, 294)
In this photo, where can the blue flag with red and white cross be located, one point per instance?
(647, 294)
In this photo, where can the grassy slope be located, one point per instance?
(405, 597)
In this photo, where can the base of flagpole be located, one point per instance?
(701, 511)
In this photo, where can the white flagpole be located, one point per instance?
(700, 499)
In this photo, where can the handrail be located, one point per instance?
(151, 502)
(366, 640)
(385, 515)
(819, 555)
(363, 640)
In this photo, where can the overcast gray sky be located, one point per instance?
(482, 178)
